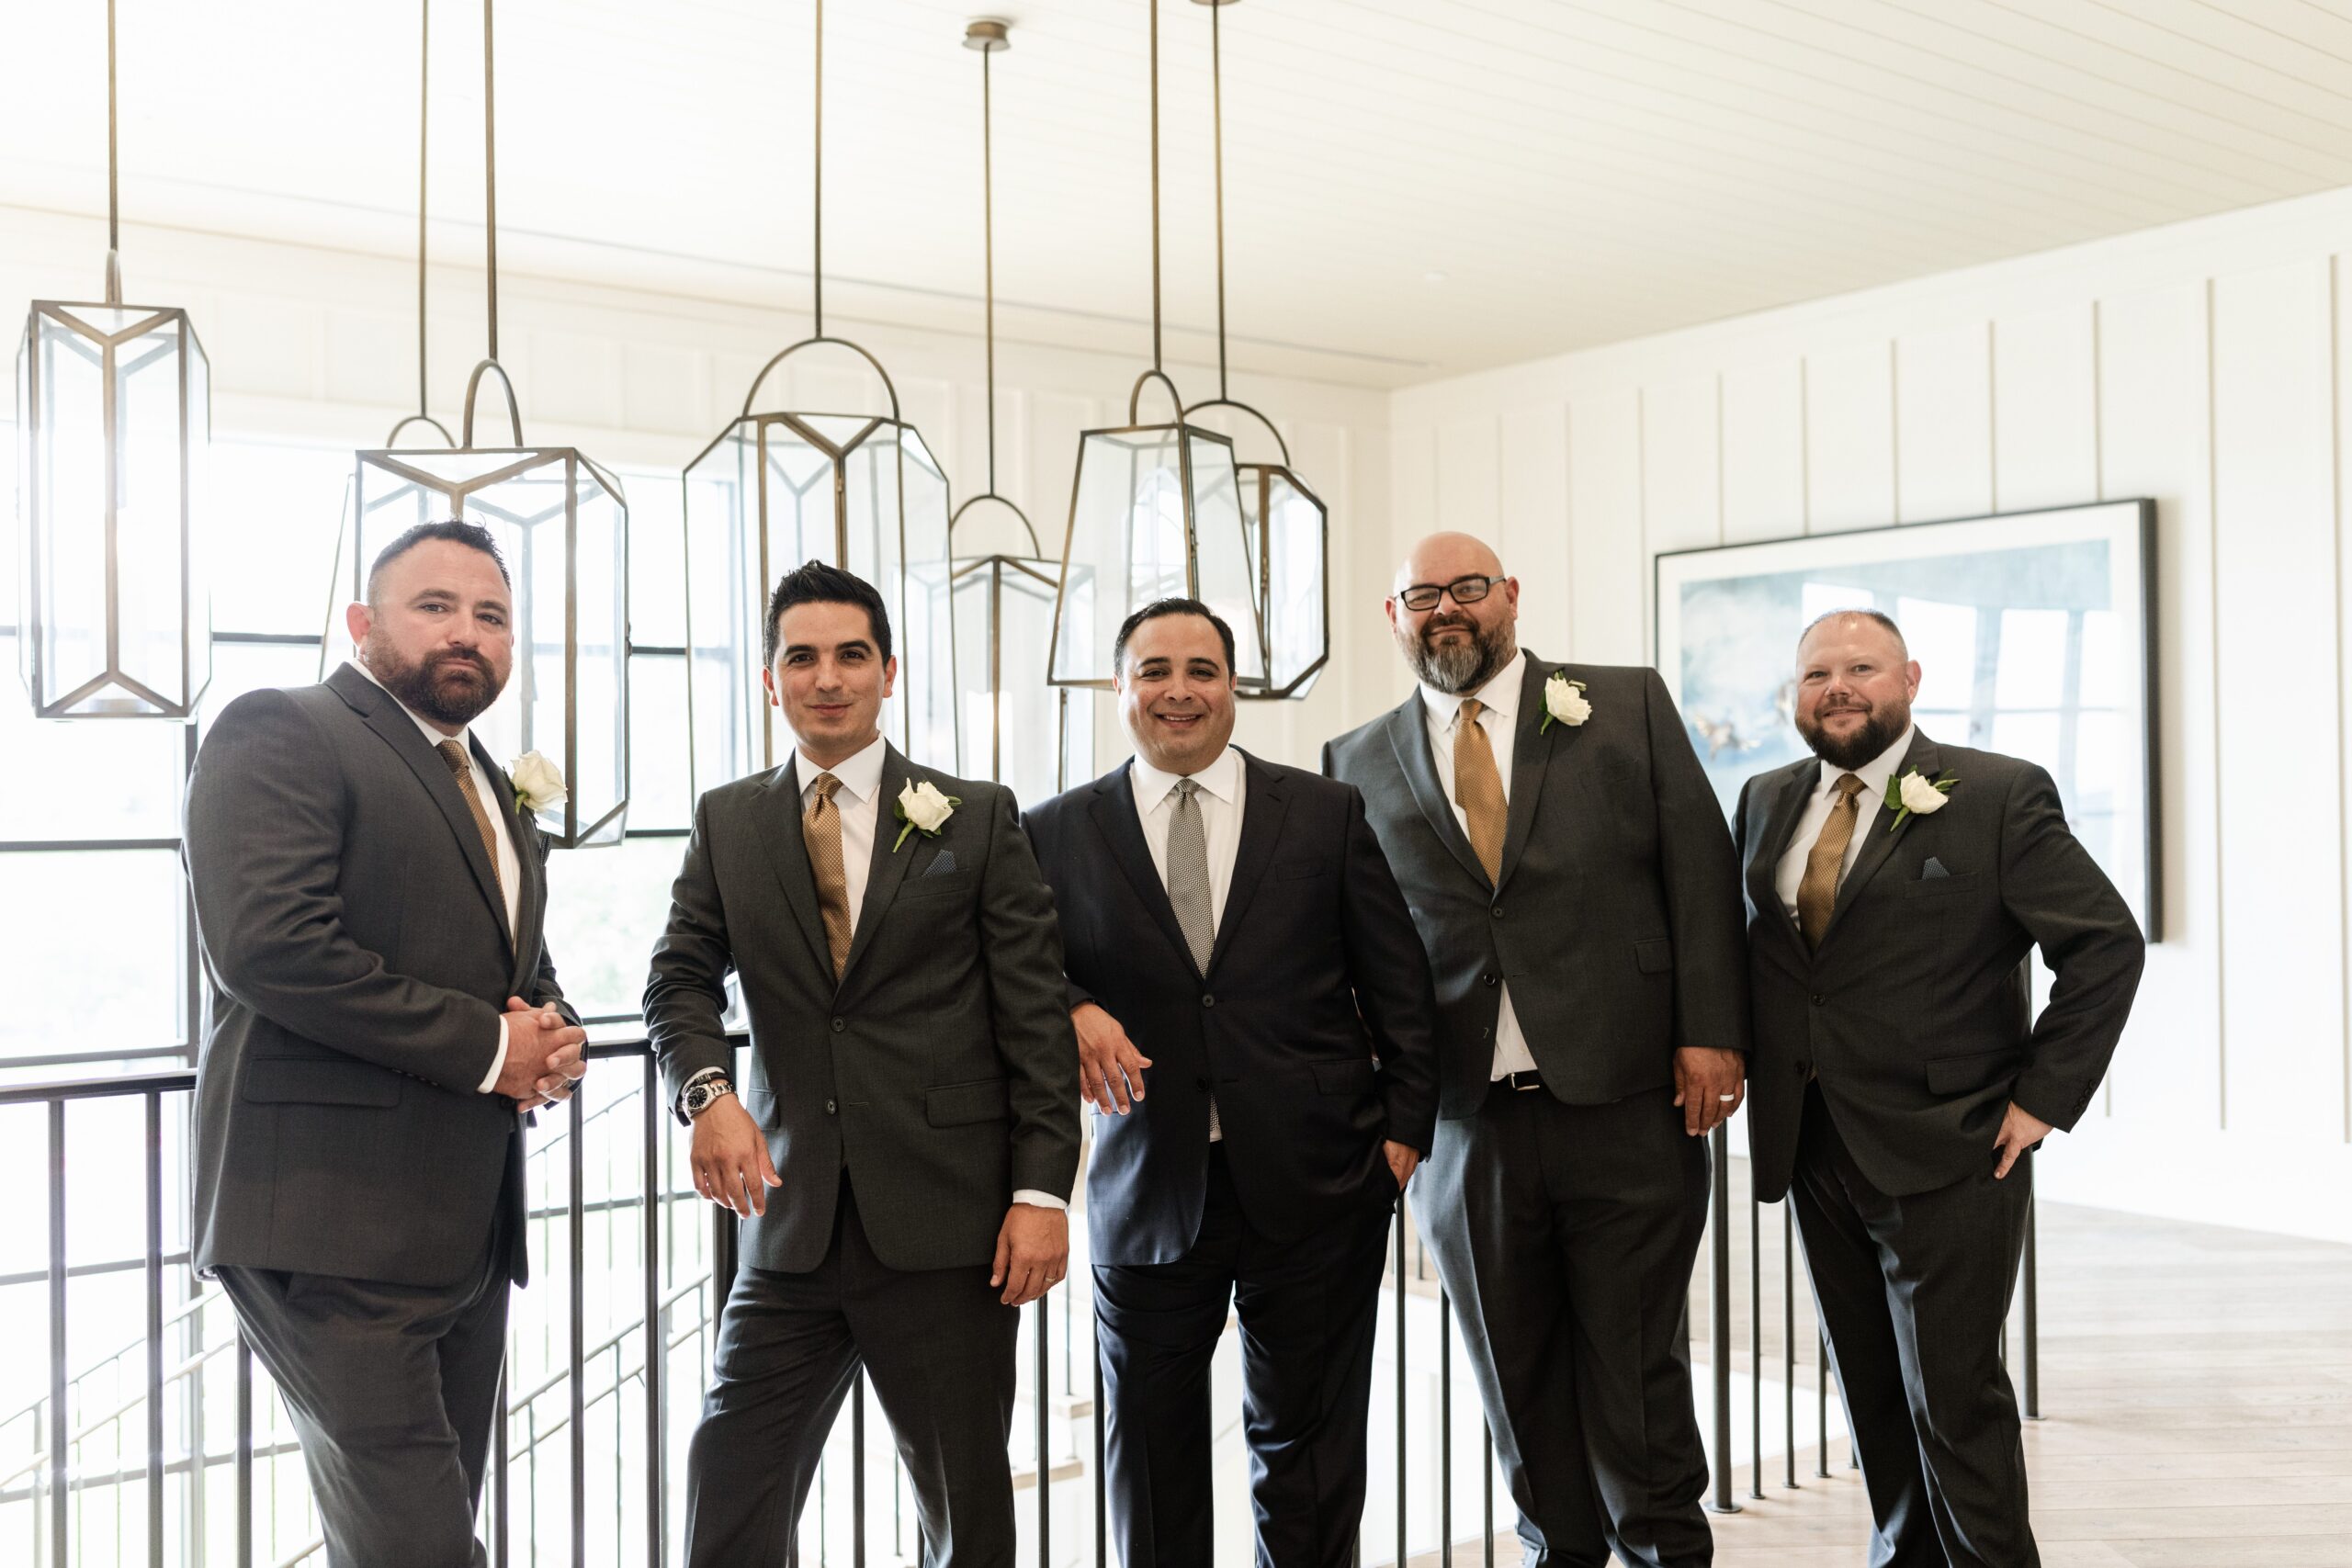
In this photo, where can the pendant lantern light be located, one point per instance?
(774, 488)
(1155, 512)
(562, 522)
(114, 418)
(1018, 729)
(1288, 529)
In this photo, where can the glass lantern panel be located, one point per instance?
(1226, 573)
(201, 537)
(972, 588)
(927, 666)
(1296, 553)
(153, 624)
(598, 769)
(1126, 546)
(1034, 750)
(66, 564)
(873, 535)
(727, 586)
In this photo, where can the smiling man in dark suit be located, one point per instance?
(1254, 1015)
(1895, 888)
(1568, 870)
(911, 1096)
(371, 900)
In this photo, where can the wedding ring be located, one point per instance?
(1726, 1098)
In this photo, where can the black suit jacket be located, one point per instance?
(940, 1070)
(1315, 980)
(1616, 920)
(358, 955)
(1915, 1012)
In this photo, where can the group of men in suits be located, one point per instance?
(1497, 940)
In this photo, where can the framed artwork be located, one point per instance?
(2034, 631)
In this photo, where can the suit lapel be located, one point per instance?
(888, 869)
(1408, 737)
(1783, 808)
(1262, 807)
(1531, 757)
(382, 712)
(1113, 810)
(1920, 755)
(522, 832)
(779, 825)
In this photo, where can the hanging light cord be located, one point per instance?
(114, 181)
(423, 117)
(1216, 120)
(988, 247)
(1155, 185)
(489, 165)
(818, 227)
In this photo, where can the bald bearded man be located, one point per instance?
(1575, 889)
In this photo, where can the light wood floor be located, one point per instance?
(2197, 1408)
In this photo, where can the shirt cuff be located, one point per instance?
(679, 1105)
(497, 1063)
(1040, 1200)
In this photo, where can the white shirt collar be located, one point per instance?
(1221, 778)
(1874, 773)
(1499, 694)
(432, 735)
(860, 775)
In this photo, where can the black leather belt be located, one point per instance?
(1522, 1082)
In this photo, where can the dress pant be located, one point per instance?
(1913, 1291)
(938, 1347)
(1308, 1309)
(1566, 1237)
(392, 1390)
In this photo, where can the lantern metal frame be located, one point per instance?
(77, 322)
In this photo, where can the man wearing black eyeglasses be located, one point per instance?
(1576, 891)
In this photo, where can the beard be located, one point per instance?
(1454, 668)
(1882, 729)
(436, 687)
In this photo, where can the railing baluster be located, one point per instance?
(59, 1426)
(857, 1470)
(502, 1541)
(245, 1451)
(2032, 1315)
(1045, 1463)
(657, 1332)
(1400, 1385)
(576, 1234)
(1718, 1317)
(1444, 1427)
(1101, 1485)
(1789, 1334)
(1487, 1502)
(1821, 1404)
(154, 1174)
(1755, 1345)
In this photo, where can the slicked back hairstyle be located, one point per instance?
(1859, 612)
(473, 536)
(1159, 607)
(817, 584)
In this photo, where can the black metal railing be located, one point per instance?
(145, 1434)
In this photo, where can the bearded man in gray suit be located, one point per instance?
(1895, 888)
(1567, 868)
(910, 1095)
(371, 899)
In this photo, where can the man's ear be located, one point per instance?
(1911, 673)
(767, 684)
(889, 674)
(358, 619)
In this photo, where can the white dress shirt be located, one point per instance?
(1790, 874)
(1219, 798)
(510, 868)
(1499, 717)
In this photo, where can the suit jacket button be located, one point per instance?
(1207, 1001)
(1201, 1083)
(1496, 911)
(829, 1107)
(842, 1023)
(1818, 1000)
(1490, 979)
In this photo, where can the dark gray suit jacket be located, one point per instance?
(359, 956)
(1916, 1013)
(1616, 920)
(941, 1071)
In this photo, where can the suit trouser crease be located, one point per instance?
(1913, 1293)
(1566, 1236)
(393, 1391)
(938, 1347)
(1308, 1312)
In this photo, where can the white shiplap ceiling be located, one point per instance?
(1414, 187)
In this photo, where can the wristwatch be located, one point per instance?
(701, 1097)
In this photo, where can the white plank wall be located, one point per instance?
(2201, 364)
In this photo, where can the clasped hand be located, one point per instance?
(546, 1056)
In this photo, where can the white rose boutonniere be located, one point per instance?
(923, 810)
(1564, 701)
(538, 784)
(1914, 793)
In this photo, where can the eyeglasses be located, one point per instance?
(1462, 589)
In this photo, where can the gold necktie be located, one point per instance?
(1825, 864)
(452, 752)
(1478, 788)
(820, 829)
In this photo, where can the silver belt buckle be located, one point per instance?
(1532, 1083)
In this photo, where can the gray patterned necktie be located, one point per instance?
(1188, 890)
(1188, 873)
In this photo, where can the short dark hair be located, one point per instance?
(1862, 612)
(817, 584)
(456, 531)
(1159, 607)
